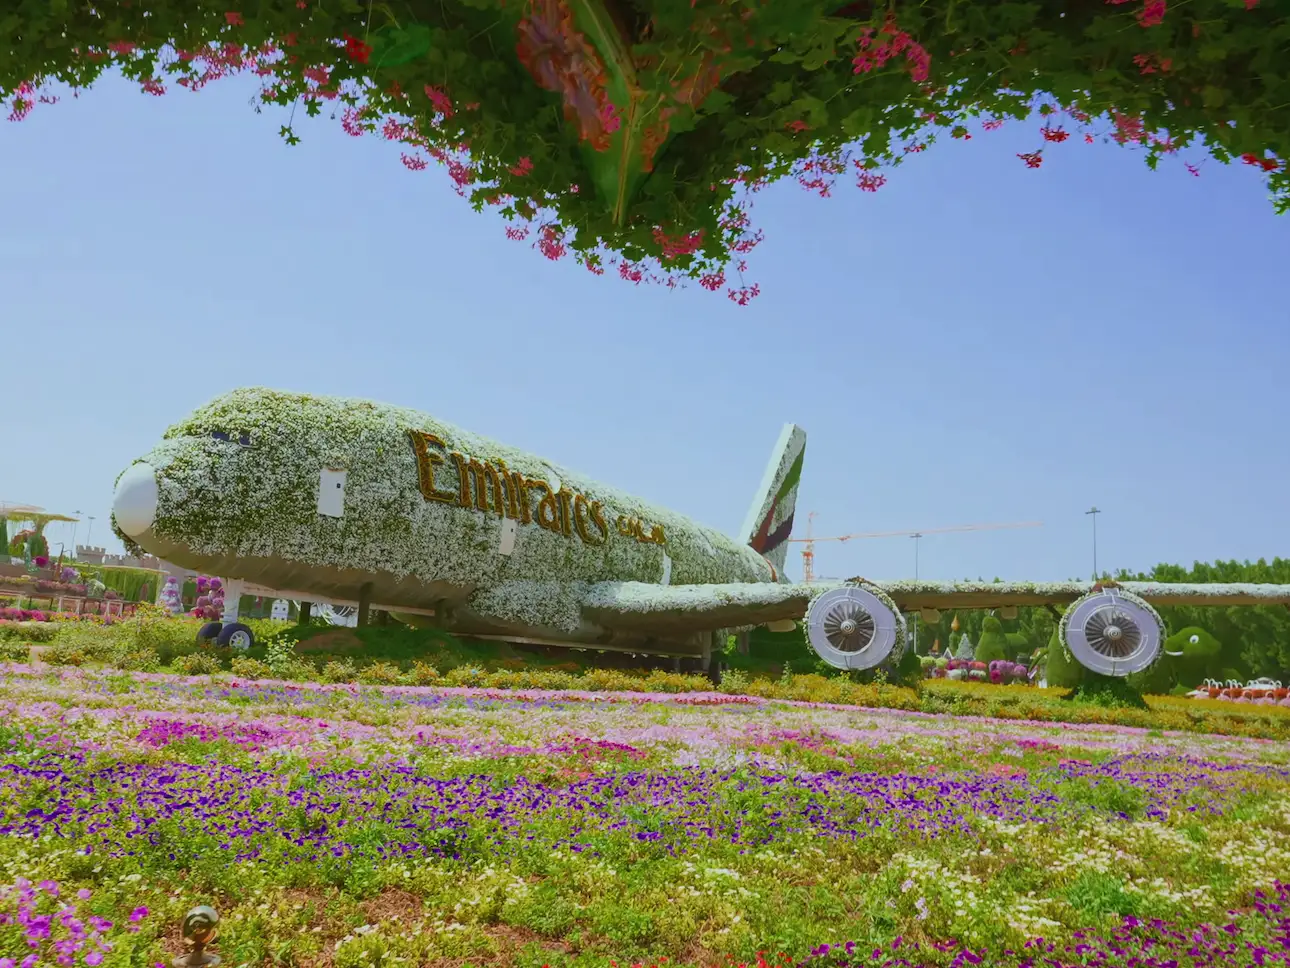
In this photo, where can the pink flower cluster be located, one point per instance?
(893, 41)
(54, 928)
(23, 615)
(210, 599)
(163, 732)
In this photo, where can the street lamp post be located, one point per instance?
(1094, 512)
(89, 531)
(916, 535)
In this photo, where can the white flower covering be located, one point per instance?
(251, 512)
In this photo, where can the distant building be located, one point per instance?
(99, 556)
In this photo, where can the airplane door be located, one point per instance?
(331, 492)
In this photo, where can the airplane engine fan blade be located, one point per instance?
(1113, 632)
(855, 628)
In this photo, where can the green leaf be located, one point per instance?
(781, 93)
(393, 47)
(817, 58)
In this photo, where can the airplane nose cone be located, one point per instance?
(135, 503)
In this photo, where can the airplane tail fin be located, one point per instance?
(770, 519)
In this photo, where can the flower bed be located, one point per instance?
(346, 826)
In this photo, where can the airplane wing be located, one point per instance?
(661, 609)
(911, 596)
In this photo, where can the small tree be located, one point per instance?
(965, 650)
(993, 645)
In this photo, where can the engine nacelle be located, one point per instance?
(855, 627)
(1113, 633)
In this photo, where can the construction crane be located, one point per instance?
(808, 552)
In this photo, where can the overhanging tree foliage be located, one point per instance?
(632, 133)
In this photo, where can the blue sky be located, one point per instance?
(976, 342)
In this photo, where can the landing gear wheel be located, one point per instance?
(235, 635)
(209, 631)
(855, 627)
(1113, 633)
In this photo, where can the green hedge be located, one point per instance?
(127, 581)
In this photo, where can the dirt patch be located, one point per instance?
(336, 641)
(393, 905)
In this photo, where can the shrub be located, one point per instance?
(29, 631)
(1063, 671)
(465, 675)
(250, 668)
(80, 642)
(152, 627)
(203, 662)
(281, 656)
(380, 674)
(909, 670)
(12, 650)
(134, 659)
(734, 682)
(659, 680)
(339, 670)
(993, 645)
(1018, 644)
(66, 653)
(423, 674)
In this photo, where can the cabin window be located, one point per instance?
(243, 439)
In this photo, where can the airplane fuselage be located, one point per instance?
(335, 499)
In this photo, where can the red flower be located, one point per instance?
(441, 101)
(1152, 13)
(869, 182)
(357, 50)
(1267, 164)
(1054, 134)
(1033, 159)
(234, 18)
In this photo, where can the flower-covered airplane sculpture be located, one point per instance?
(354, 503)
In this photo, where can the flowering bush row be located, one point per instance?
(636, 143)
